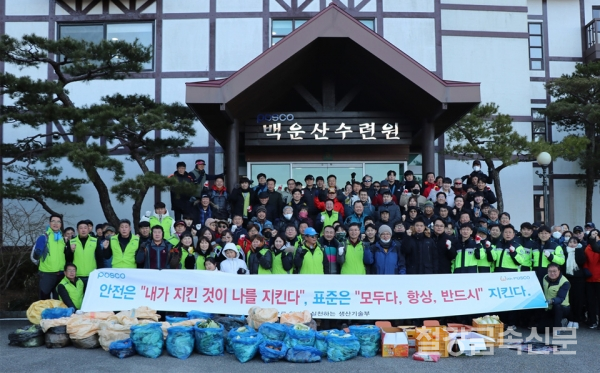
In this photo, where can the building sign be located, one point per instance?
(295, 129)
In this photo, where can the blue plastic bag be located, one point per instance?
(320, 339)
(303, 354)
(199, 315)
(299, 337)
(122, 349)
(342, 348)
(148, 339)
(235, 332)
(175, 319)
(369, 337)
(272, 331)
(245, 345)
(209, 341)
(57, 313)
(180, 341)
(268, 352)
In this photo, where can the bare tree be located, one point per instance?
(21, 227)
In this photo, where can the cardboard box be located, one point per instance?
(468, 343)
(432, 339)
(393, 343)
(494, 331)
(411, 334)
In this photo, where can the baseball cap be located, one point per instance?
(200, 161)
(590, 225)
(180, 222)
(310, 232)
(577, 228)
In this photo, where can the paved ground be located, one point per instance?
(15, 359)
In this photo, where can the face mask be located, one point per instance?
(287, 216)
(556, 235)
(416, 191)
(303, 214)
(385, 241)
(476, 168)
(340, 236)
(267, 234)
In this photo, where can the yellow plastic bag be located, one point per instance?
(80, 327)
(111, 331)
(296, 317)
(258, 316)
(51, 323)
(34, 313)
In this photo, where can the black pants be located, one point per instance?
(592, 290)
(577, 298)
(552, 317)
(48, 283)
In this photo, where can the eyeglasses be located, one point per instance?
(311, 235)
(368, 181)
(222, 226)
(457, 183)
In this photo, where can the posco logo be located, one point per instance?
(111, 275)
(504, 278)
(274, 118)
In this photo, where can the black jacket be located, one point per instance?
(421, 255)
(444, 255)
(236, 199)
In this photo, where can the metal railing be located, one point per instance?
(591, 32)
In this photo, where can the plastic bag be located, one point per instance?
(300, 334)
(273, 332)
(34, 312)
(245, 345)
(122, 349)
(57, 340)
(320, 339)
(258, 316)
(111, 331)
(51, 323)
(30, 336)
(271, 351)
(296, 317)
(86, 343)
(56, 313)
(234, 333)
(104, 315)
(312, 324)
(174, 319)
(342, 348)
(303, 354)
(231, 322)
(80, 327)
(209, 341)
(124, 318)
(186, 322)
(199, 315)
(369, 337)
(148, 339)
(180, 341)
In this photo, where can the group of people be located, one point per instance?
(386, 227)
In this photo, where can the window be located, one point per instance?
(538, 208)
(143, 31)
(536, 55)
(283, 27)
(538, 125)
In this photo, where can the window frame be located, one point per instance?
(105, 33)
(534, 131)
(304, 20)
(541, 47)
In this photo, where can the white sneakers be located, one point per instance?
(573, 324)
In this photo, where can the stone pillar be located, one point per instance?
(232, 154)
(428, 148)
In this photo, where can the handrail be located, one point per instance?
(591, 32)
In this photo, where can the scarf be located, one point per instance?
(246, 196)
(571, 264)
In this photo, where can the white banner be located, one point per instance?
(325, 296)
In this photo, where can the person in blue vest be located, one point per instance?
(71, 288)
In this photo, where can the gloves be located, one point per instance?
(511, 249)
(578, 246)
(405, 191)
(242, 237)
(547, 253)
(258, 255)
(233, 228)
(341, 250)
(148, 213)
(303, 252)
(477, 240)
(289, 248)
(198, 227)
(249, 209)
(322, 219)
(229, 221)
(488, 244)
(241, 271)
(191, 250)
(448, 244)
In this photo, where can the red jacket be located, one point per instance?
(592, 263)
(428, 188)
(337, 206)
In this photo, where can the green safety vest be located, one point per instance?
(540, 260)
(166, 223)
(329, 220)
(200, 259)
(84, 257)
(354, 264)
(75, 291)
(551, 291)
(313, 262)
(124, 259)
(503, 259)
(469, 258)
(483, 262)
(277, 266)
(261, 270)
(55, 260)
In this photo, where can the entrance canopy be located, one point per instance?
(336, 88)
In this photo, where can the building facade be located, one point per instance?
(510, 47)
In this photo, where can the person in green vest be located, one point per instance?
(71, 288)
(182, 255)
(84, 252)
(556, 291)
(161, 217)
(122, 247)
(351, 257)
(483, 264)
(50, 249)
(310, 258)
(466, 251)
(549, 252)
(259, 258)
(328, 217)
(529, 244)
(283, 256)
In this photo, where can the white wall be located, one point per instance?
(414, 36)
(408, 5)
(186, 45)
(187, 6)
(238, 41)
(471, 20)
(564, 29)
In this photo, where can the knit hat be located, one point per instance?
(385, 229)
(261, 208)
(428, 203)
